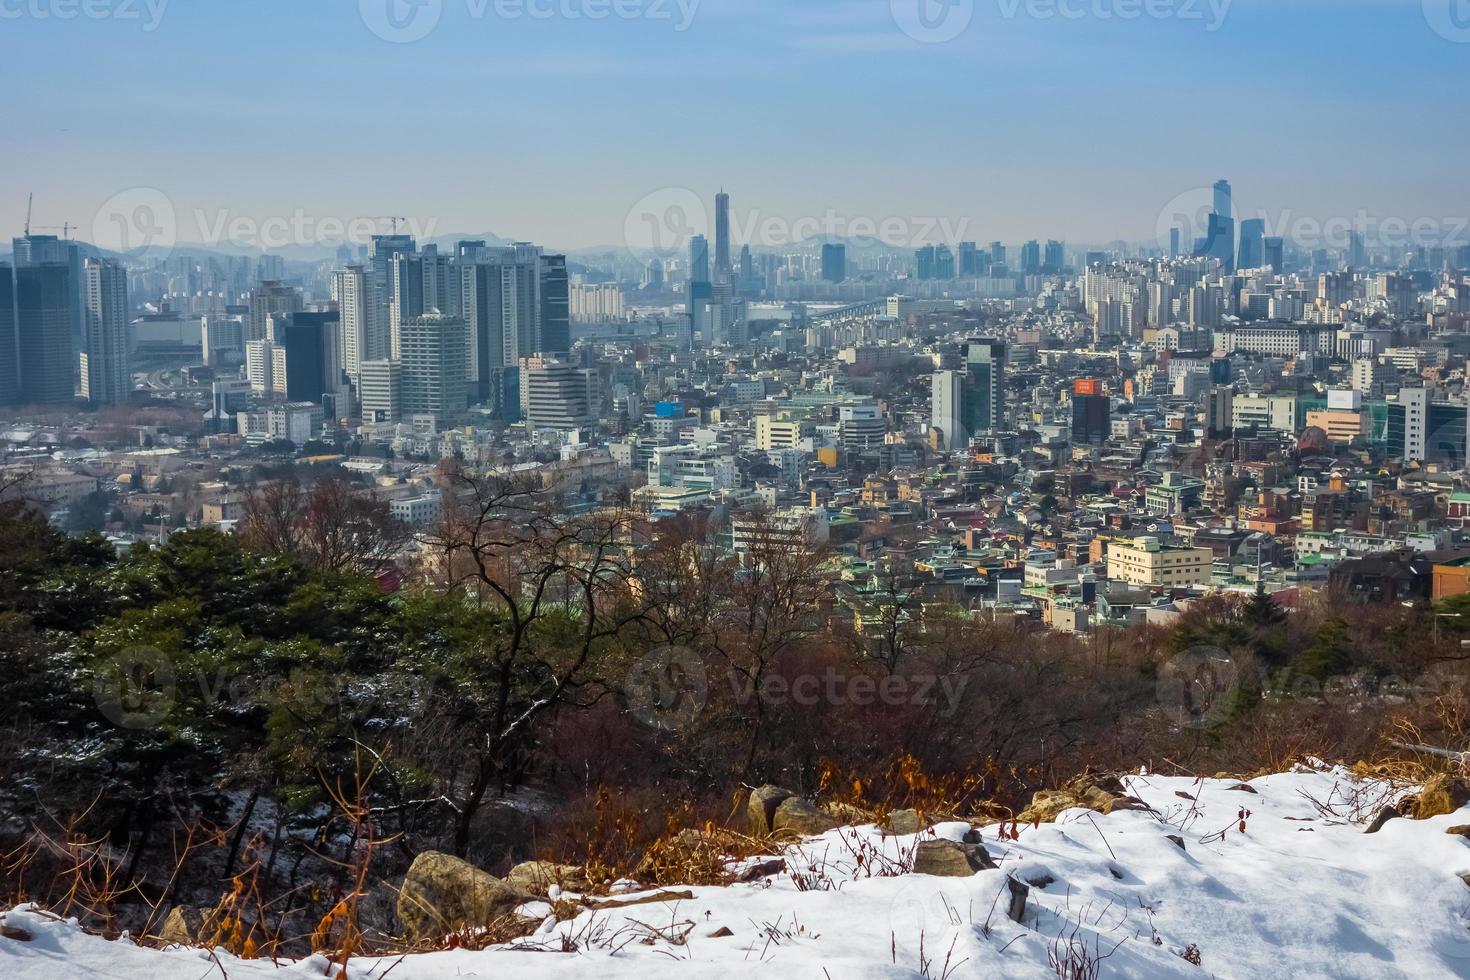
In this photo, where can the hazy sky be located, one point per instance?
(1076, 119)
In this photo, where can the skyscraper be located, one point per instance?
(970, 401)
(433, 369)
(1252, 243)
(268, 299)
(722, 237)
(1030, 258)
(505, 313)
(46, 357)
(9, 341)
(1055, 259)
(405, 296)
(556, 321)
(351, 289)
(834, 262)
(310, 348)
(106, 379)
(699, 292)
(1273, 252)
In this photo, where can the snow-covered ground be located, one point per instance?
(1301, 892)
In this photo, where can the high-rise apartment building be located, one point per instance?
(434, 367)
(106, 379)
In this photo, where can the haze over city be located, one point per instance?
(1035, 119)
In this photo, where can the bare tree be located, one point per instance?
(334, 528)
(557, 586)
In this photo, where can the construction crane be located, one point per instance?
(392, 219)
(66, 228)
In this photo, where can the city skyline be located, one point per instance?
(1008, 131)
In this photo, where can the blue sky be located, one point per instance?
(1025, 125)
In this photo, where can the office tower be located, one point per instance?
(748, 281)
(924, 262)
(997, 254)
(1091, 413)
(381, 252)
(222, 340)
(1030, 258)
(514, 300)
(1224, 207)
(312, 354)
(45, 354)
(555, 394)
(9, 340)
(405, 295)
(378, 390)
(943, 262)
(1055, 259)
(555, 335)
(351, 289)
(1357, 254)
(50, 250)
(440, 286)
(1174, 243)
(268, 299)
(722, 237)
(699, 291)
(433, 367)
(1252, 243)
(984, 385)
(969, 260)
(1219, 241)
(653, 274)
(946, 407)
(1273, 251)
(106, 379)
(834, 262)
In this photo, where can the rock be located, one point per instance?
(1019, 890)
(1465, 879)
(761, 809)
(536, 877)
(949, 859)
(1104, 794)
(1178, 841)
(846, 814)
(904, 822)
(1441, 794)
(1460, 830)
(797, 816)
(723, 932)
(188, 926)
(442, 894)
(1242, 788)
(1384, 816)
